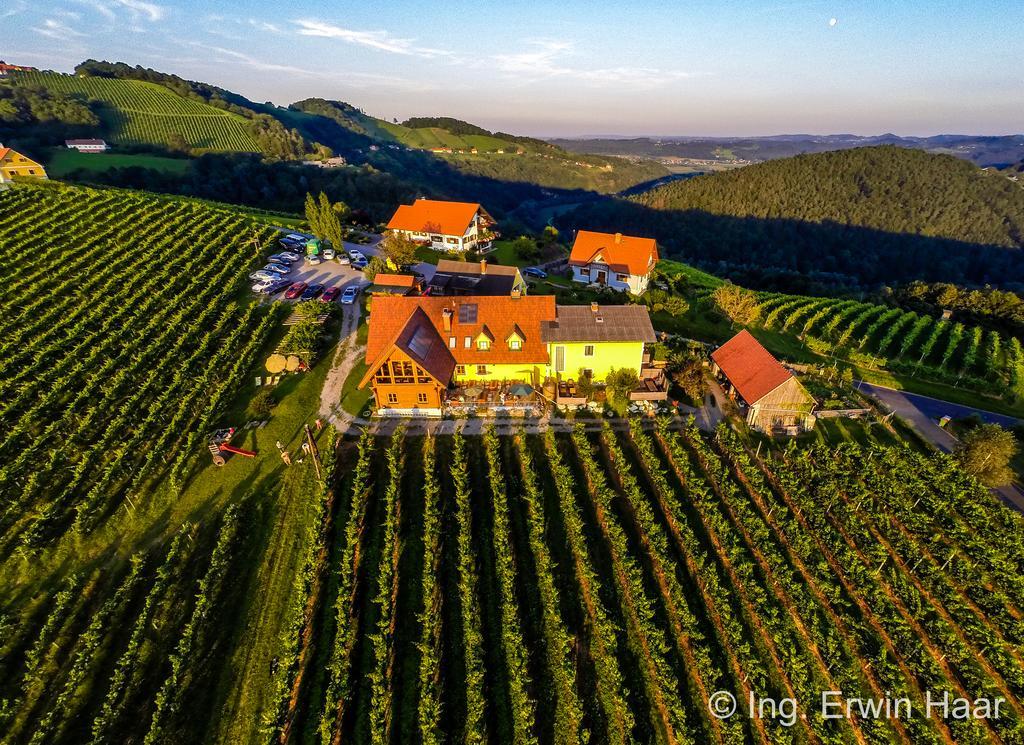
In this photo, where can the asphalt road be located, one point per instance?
(923, 412)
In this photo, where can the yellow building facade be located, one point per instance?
(15, 165)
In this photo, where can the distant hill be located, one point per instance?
(467, 148)
(982, 150)
(852, 217)
(445, 157)
(139, 112)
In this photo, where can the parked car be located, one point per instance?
(349, 295)
(312, 292)
(285, 257)
(275, 287)
(295, 238)
(359, 263)
(331, 294)
(261, 287)
(532, 271)
(356, 256)
(263, 275)
(314, 260)
(281, 269)
(343, 259)
(330, 253)
(295, 290)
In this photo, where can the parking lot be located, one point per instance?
(332, 274)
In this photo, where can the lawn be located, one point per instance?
(63, 162)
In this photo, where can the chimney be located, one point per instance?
(618, 237)
(446, 316)
(593, 307)
(483, 266)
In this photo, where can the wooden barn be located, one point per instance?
(772, 398)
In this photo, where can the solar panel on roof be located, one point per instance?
(419, 344)
(467, 313)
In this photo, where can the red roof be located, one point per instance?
(394, 280)
(750, 367)
(429, 216)
(3, 152)
(622, 253)
(420, 341)
(496, 317)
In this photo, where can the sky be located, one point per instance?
(574, 67)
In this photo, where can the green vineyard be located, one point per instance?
(586, 587)
(134, 111)
(904, 341)
(122, 341)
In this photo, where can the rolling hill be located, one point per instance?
(853, 217)
(981, 150)
(140, 112)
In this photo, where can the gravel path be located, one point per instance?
(345, 358)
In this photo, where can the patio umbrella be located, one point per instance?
(473, 391)
(521, 389)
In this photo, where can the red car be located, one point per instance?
(330, 294)
(295, 290)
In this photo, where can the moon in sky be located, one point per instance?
(833, 21)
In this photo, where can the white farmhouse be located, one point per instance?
(86, 146)
(619, 261)
(445, 226)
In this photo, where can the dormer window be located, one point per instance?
(515, 344)
(483, 345)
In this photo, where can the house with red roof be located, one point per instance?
(445, 226)
(427, 353)
(772, 398)
(622, 262)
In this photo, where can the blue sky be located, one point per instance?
(573, 67)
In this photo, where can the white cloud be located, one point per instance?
(264, 26)
(143, 9)
(380, 40)
(545, 59)
(13, 9)
(54, 29)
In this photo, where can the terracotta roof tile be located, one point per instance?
(394, 280)
(430, 216)
(497, 314)
(622, 253)
(751, 368)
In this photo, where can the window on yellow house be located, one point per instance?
(483, 345)
(460, 369)
(421, 398)
(515, 344)
(588, 350)
(392, 398)
(481, 369)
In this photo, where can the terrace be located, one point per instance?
(494, 397)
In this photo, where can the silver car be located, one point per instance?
(263, 275)
(277, 269)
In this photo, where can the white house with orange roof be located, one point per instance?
(445, 226)
(622, 262)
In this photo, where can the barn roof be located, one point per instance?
(751, 368)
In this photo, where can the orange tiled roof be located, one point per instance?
(3, 152)
(394, 280)
(499, 315)
(750, 367)
(429, 216)
(622, 253)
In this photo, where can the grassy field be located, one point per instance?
(63, 162)
(135, 111)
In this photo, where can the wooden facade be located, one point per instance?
(785, 409)
(400, 383)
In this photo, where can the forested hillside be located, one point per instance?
(855, 217)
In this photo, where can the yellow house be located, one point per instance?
(589, 341)
(426, 353)
(14, 164)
